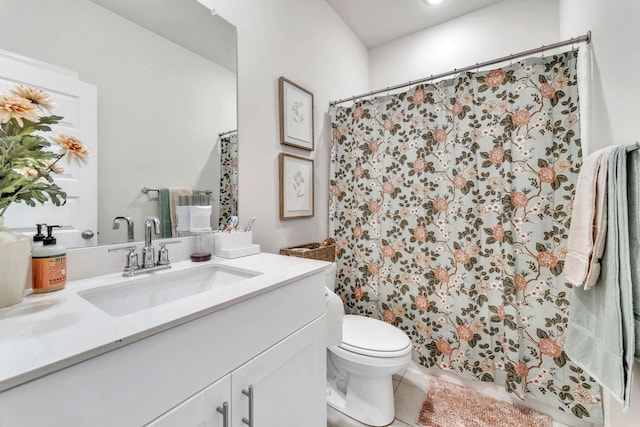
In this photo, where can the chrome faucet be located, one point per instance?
(149, 263)
(129, 220)
(148, 252)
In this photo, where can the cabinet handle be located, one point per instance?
(225, 413)
(249, 394)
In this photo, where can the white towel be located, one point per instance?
(174, 193)
(588, 224)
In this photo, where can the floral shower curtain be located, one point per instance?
(228, 178)
(450, 205)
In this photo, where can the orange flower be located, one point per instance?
(522, 369)
(459, 181)
(373, 267)
(357, 232)
(422, 303)
(442, 274)
(358, 113)
(336, 134)
(72, 147)
(501, 314)
(373, 206)
(496, 155)
(388, 251)
(547, 259)
(519, 282)
(547, 174)
(389, 316)
(498, 232)
(444, 347)
(549, 347)
(521, 117)
(36, 95)
(419, 96)
(388, 124)
(461, 256)
(519, 200)
(440, 135)
(18, 108)
(419, 165)
(358, 293)
(420, 233)
(547, 91)
(335, 191)
(494, 78)
(441, 204)
(373, 145)
(465, 333)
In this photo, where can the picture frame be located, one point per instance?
(296, 187)
(296, 115)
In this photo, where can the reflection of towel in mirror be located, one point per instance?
(167, 201)
(174, 193)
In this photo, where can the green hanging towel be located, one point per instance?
(165, 213)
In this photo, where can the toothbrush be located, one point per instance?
(250, 225)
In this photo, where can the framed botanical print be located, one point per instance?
(296, 187)
(296, 115)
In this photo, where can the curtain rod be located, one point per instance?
(227, 132)
(584, 38)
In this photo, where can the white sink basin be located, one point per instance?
(149, 290)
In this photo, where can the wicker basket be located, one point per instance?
(314, 251)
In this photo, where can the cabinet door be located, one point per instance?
(201, 410)
(288, 382)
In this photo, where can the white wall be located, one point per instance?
(306, 42)
(507, 27)
(615, 90)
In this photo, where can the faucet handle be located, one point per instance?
(163, 253)
(131, 262)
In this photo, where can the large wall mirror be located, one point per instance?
(165, 72)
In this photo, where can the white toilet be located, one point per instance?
(360, 368)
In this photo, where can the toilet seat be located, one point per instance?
(372, 337)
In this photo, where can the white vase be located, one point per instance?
(15, 255)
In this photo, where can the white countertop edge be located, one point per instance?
(255, 286)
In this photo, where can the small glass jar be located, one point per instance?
(203, 246)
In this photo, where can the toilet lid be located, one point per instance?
(369, 336)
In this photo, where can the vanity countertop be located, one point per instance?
(48, 332)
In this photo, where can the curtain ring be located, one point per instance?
(542, 51)
(511, 59)
(477, 67)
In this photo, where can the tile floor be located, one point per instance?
(409, 391)
(409, 394)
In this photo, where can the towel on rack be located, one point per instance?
(588, 223)
(633, 201)
(165, 213)
(167, 201)
(600, 333)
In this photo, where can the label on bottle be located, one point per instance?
(49, 273)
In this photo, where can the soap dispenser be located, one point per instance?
(48, 264)
(38, 237)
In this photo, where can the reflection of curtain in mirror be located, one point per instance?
(228, 177)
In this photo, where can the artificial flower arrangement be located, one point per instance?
(26, 161)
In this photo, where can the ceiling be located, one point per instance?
(376, 22)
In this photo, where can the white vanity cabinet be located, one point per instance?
(273, 341)
(277, 388)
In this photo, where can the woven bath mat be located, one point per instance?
(451, 405)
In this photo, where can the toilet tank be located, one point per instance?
(330, 277)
